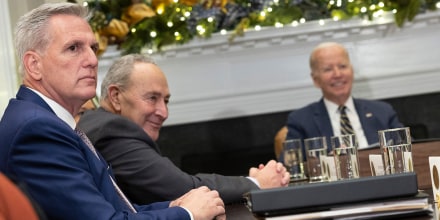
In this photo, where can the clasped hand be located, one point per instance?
(271, 175)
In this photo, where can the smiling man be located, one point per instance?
(332, 72)
(125, 128)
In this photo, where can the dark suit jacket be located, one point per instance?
(140, 169)
(314, 121)
(63, 176)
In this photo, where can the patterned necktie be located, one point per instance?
(346, 127)
(89, 144)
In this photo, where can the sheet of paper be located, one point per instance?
(376, 165)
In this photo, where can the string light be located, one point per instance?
(275, 12)
(177, 36)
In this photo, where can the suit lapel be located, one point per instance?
(366, 118)
(322, 120)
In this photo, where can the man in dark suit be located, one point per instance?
(332, 72)
(39, 146)
(134, 98)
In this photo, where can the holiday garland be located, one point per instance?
(137, 24)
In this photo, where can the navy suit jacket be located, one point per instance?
(314, 121)
(64, 177)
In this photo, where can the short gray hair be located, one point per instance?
(313, 61)
(31, 31)
(120, 71)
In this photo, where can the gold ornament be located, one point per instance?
(189, 2)
(116, 28)
(136, 13)
(216, 3)
(160, 3)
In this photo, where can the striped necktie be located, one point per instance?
(89, 144)
(346, 127)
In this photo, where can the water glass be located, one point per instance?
(396, 148)
(316, 151)
(344, 150)
(293, 158)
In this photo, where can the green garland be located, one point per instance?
(179, 22)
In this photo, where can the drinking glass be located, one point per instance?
(396, 148)
(344, 148)
(316, 151)
(293, 158)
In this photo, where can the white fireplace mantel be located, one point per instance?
(267, 71)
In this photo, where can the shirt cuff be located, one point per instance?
(254, 181)
(189, 213)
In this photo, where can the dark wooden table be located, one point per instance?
(421, 151)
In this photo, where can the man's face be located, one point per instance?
(333, 73)
(69, 63)
(145, 99)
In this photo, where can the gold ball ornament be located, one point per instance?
(136, 13)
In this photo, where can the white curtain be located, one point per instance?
(8, 75)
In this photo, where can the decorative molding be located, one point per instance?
(267, 71)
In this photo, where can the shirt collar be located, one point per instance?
(59, 110)
(333, 107)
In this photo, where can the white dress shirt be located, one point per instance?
(350, 110)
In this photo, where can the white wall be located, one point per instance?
(267, 71)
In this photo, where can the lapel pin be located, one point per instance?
(369, 115)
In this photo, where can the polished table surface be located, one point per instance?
(421, 150)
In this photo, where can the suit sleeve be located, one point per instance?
(146, 176)
(66, 180)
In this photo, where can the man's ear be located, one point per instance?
(114, 97)
(32, 65)
(315, 80)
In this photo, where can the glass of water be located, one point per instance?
(396, 149)
(293, 158)
(316, 153)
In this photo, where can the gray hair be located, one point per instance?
(120, 71)
(31, 31)
(312, 59)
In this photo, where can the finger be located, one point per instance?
(203, 189)
(280, 167)
(253, 171)
(221, 217)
